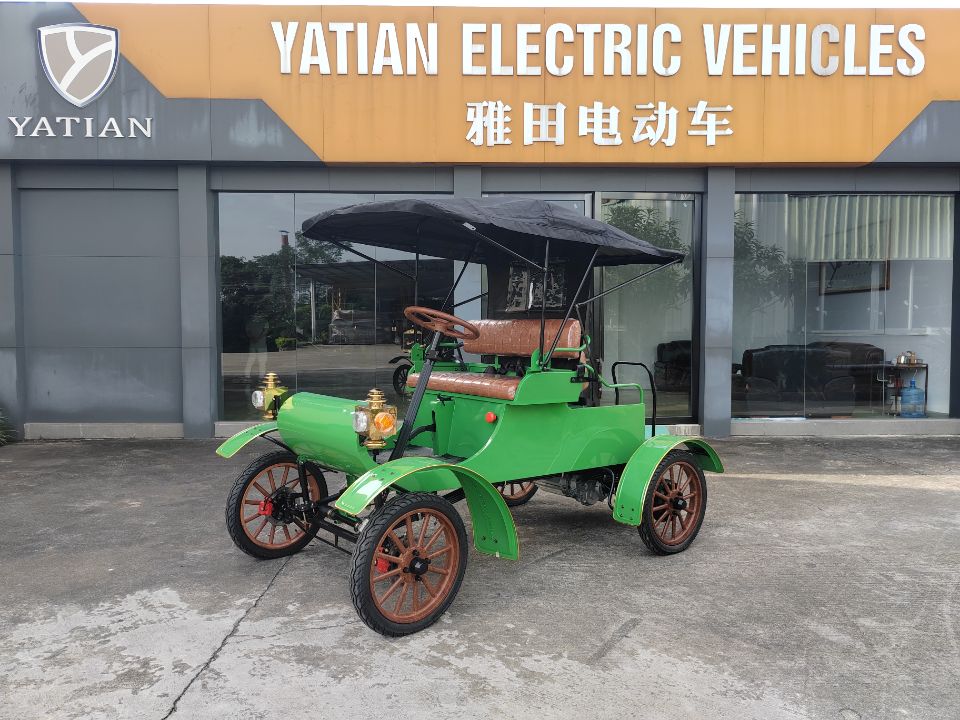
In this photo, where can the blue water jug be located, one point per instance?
(911, 401)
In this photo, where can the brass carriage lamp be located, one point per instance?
(266, 396)
(376, 420)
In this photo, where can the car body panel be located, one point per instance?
(636, 476)
(494, 532)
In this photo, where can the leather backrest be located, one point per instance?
(519, 338)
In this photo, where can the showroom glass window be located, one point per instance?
(829, 290)
(651, 320)
(322, 318)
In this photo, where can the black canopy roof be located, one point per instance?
(437, 228)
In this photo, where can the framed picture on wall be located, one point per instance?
(853, 276)
(525, 288)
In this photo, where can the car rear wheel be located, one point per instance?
(518, 492)
(675, 504)
(408, 564)
(400, 379)
(264, 511)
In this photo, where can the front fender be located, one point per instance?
(232, 446)
(493, 530)
(636, 476)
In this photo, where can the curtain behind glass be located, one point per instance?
(828, 289)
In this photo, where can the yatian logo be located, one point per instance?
(79, 59)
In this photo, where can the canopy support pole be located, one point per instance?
(630, 281)
(497, 245)
(543, 298)
(376, 262)
(573, 303)
(470, 299)
(456, 282)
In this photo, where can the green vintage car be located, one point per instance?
(518, 412)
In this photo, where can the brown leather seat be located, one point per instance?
(500, 387)
(505, 338)
(519, 338)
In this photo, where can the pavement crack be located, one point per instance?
(548, 556)
(233, 631)
(626, 627)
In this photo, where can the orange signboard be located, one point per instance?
(558, 86)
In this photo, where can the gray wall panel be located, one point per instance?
(7, 209)
(198, 300)
(101, 305)
(588, 179)
(270, 179)
(93, 177)
(11, 383)
(157, 177)
(468, 181)
(332, 179)
(250, 130)
(869, 179)
(718, 296)
(931, 136)
(11, 317)
(73, 177)
(716, 302)
(99, 223)
(398, 179)
(498, 179)
(8, 301)
(200, 391)
(103, 384)
(929, 179)
(715, 392)
(101, 302)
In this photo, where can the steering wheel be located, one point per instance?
(441, 322)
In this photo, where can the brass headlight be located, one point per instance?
(376, 420)
(263, 398)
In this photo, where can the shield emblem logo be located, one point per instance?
(79, 59)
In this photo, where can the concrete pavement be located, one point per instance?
(825, 583)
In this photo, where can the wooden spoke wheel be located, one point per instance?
(675, 504)
(265, 510)
(518, 492)
(400, 379)
(408, 564)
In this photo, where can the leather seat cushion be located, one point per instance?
(499, 387)
(519, 338)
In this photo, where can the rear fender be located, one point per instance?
(232, 446)
(636, 476)
(493, 530)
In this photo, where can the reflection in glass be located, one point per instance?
(256, 296)
(321, 317)
(651, 321)
(828, 291)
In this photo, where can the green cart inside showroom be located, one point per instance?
(499, 408)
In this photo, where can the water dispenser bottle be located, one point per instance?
(911, 401)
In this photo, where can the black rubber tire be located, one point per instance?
(517, 502)
(370, 538)
(400, 378)
(645, 528)
(234, 509)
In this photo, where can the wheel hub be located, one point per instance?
(418, 566)
(281, 506)
(679, 503)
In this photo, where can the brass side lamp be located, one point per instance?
(376, 420)
(266, 396)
